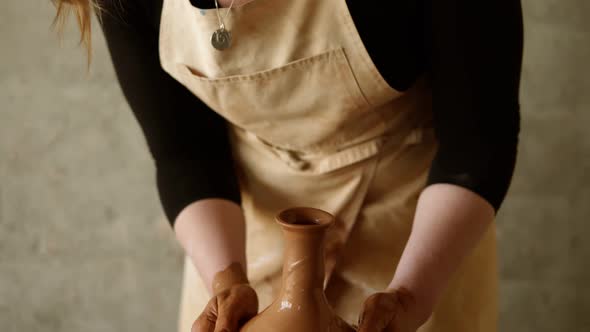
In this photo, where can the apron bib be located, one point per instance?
(313, 123)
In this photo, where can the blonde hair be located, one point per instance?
(82, 9)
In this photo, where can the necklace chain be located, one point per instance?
(222, 21)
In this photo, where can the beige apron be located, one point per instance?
(314, 123)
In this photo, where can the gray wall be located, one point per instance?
(84, 245)
(546, 219)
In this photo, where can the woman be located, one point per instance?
(401, 118)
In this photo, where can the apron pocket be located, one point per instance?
(296, 105)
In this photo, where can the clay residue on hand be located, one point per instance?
(339, 325)
(232, 275)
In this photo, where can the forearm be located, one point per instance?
(212, 233)
(449, 222)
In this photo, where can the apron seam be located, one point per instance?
(375, 75)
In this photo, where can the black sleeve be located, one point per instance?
(187, 140)
(475, 59)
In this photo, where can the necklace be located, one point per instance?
(221, 38)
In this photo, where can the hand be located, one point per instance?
(392, 311)
(228, 310)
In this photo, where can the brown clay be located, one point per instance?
(301, 304)
(232, 275)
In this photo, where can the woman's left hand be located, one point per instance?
(392, 311)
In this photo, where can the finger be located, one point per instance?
(205, 323)
(225, 325)
(239, 307)
(377, 313)
(245, 305)
(372, 323)
(226, 319)
(206, 320)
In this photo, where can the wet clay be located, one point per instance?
(232, 275)
(301, 304)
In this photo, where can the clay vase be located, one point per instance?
(301, 305)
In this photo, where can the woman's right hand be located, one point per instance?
(228, 310)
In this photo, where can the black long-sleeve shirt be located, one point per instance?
(471, 52)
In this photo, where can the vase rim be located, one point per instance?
(304, 218)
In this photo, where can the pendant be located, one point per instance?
(221, 39)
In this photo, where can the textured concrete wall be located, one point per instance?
(546, 220)
(83, 243)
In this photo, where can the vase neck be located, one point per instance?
(303, 267)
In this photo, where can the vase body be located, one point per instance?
(301, 305)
